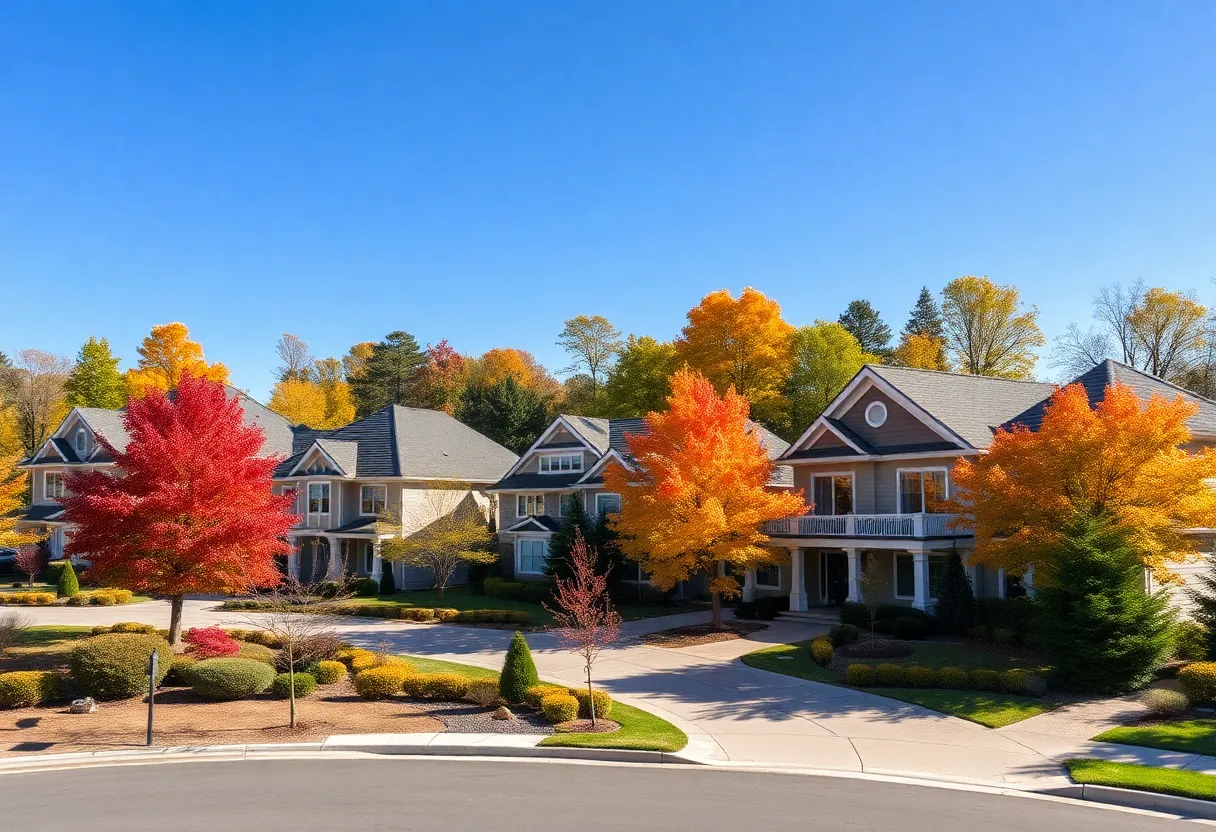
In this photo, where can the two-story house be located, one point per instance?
(877, 466)
(566, 463)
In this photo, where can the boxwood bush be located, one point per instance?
(327, 672)
(603, 702)
(559, 707)
(483, 692)
(952, 678)
(889, 675)
(918, 676)
(983, 679)
(822, 651)
(25, 688)
(533, 592)
(383, 681)
(532, 696)
(1198, 680)
(228, 679)
(306, 683)
(450, 687)
(518, 670)
(844, 634)
(859, 675)
(115, 665)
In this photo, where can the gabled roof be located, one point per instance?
(1144, 385)
(41, 513)
(536, 523)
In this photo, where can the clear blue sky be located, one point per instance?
(482, 171)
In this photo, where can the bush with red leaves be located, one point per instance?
(210, 643)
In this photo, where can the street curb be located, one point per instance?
(1187, 807)
(480, 745)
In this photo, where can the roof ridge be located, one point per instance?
(879, 367)
(1157, 379)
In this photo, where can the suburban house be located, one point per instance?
(393, 459)
(567, 463)
(877, 465)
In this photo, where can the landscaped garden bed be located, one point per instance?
(702, 634)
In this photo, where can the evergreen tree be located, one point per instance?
(69, 585)
(390, 376)
(955, 599)
(1203, 598)
(574, 520)
(388, 585)
(4, 362)
(95, 380)
(861, 319)
(1102, 631)
(926, 318)
(518, 671)
(507, 412)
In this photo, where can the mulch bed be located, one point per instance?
(466, 718)
(702, 634)
(584, 726)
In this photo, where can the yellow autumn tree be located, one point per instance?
(165, 354)
(696, 497)
(14, 487)
(988, 329)
(1124, 460)
(323, 404)
(922, 352)
(743, 343)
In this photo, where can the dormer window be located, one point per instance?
(561, 463)
(82, 441)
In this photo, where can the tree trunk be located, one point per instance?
(590, 696)
(175, 621)
(715, 600)
(291, 670)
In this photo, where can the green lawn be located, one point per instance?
(640, 731)
(48, 636)
(1190, 736)
(1144, 778)
(991, 709)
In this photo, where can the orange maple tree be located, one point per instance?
(1124, 459)
(695, 496)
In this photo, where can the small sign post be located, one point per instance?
(152, 668)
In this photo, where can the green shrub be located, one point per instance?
(1018, 614)
(306, 683)
(327, 672)
(1004, 635)
(518, 669)
(981, 632)
(483, 692)
(229, 678)
(859, 675)
(381, 682)
(107, 597)
(856, 614)
(909, 628)
(533, 695)
(365, 587)
(1198, 680)
(1016, 681)
(918, 676)
(843, 634)
(178, 669)
(603, 702)
(257, 653)
(558, 707)
(983, 679)
(952, 678)
(68, 584)
(133, 627)
(1164, 703)
(889, 675)
(450, 687)
(1190, 641)
(416, 614)
(115, 665)
(821, 651)
(533, 592)
(519, 617)
(26, 688)
(955, 610)
(446, 614)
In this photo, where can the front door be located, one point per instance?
(833, 578)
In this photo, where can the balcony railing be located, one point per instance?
(865, 525)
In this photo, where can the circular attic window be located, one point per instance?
(876, 414)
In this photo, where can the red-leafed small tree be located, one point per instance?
(211, 643)
(30, 559)
(586, 619)
(191, 509)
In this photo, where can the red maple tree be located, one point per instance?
(190, 509)
(30, 559)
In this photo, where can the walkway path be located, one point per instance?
(731, 712)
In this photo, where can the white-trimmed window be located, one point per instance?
(372, 499)
(529, 505)
(922, 490)
(768, 576)
(607, 503)
(82, 441)
(53, 485)
(318, 498)
(905, 575)
(531, 553)
(832, 493)
(561, 463)
(294, 493)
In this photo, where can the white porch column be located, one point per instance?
(854, 556)
(920, 573)
(1028, 580)
(336, 564)
(377, 564)
(797, 582)
(1000, 583)
(293, 562)
(749, 585)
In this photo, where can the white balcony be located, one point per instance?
(914, 526)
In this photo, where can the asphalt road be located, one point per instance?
(438, 795)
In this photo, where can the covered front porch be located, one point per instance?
(330, 556)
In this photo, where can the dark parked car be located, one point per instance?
(7, 556)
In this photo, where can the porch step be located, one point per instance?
(811, 617)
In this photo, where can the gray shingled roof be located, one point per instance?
(535, 481)
(107, 424)
(595, 431)
(1144, 385)
(971, 406)
(38, 514)
(345, 453)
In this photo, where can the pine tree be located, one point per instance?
(507, 412)
(575, 522)
(1102, 631)
(518, 671)
(388, 585)
(955, 599)
(95, 380)
(926, 317)
(391, 375)
(862, 319)
(69, 585)
(1203, 599)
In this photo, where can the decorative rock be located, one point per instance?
(83, 706)
(503, 712)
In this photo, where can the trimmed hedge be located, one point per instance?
(952, 678)
(327, 672)
(26, 688)
(176, 677)
(115, 665)
(27, 599)
(532, 592)
(918, 676)
(1198, 680)
(983, 679)
(450, 687)
(559, 707)
(229, 679)
(603, 702)
(483, 692)
(306, 683)
(1014, 681)
(822, 651)
(533, 695)
(365, 587)
(889, 675)
(419, 614)
(859, 675)
(383, 681)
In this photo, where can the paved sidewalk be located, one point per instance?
(733, 714)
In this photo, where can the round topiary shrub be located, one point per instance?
(327, 672)
(306, 683)
(984, 679)
(952, 678)
(889, 675)
(1198, 680)
(908, 628)
(533, 695)
(843, 634)
(115, 665)
(1190, 641)
(859, 675)
(26, 688)
(229, 679)
(176, 676)
(822, 651)
(381, 682)
(559, 708)
(483, 692)
(1162, 702)
(1015, 681)
(518, 671)
(603, 702)
(919, 676)
(256, 653)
